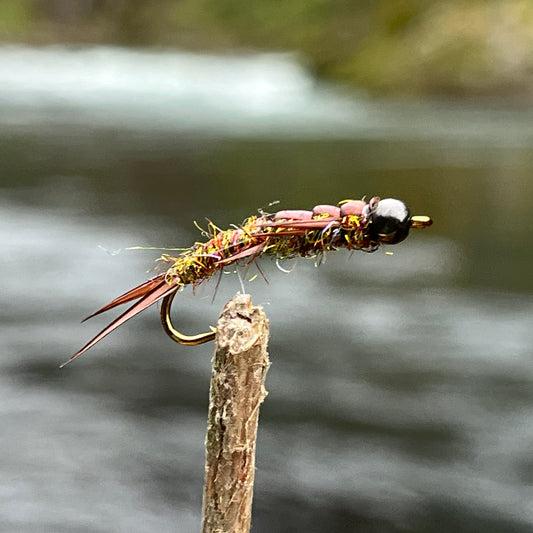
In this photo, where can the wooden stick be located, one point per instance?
(237, 390)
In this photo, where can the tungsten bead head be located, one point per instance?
(389, 221)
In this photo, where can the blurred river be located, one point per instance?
(401, 387)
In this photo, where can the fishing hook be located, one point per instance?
(174, 334)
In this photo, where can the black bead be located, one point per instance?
(389, 222)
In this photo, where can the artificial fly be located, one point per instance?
(353, 224)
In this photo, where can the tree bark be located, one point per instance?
(237, 390)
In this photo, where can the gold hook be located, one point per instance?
(174, 334)
(421, 221)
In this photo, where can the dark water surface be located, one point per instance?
(401, 387)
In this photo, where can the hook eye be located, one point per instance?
(174, 334)
(421, 221)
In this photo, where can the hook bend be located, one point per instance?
(174, 334)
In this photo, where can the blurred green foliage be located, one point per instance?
(466, 47)
(16, 18)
